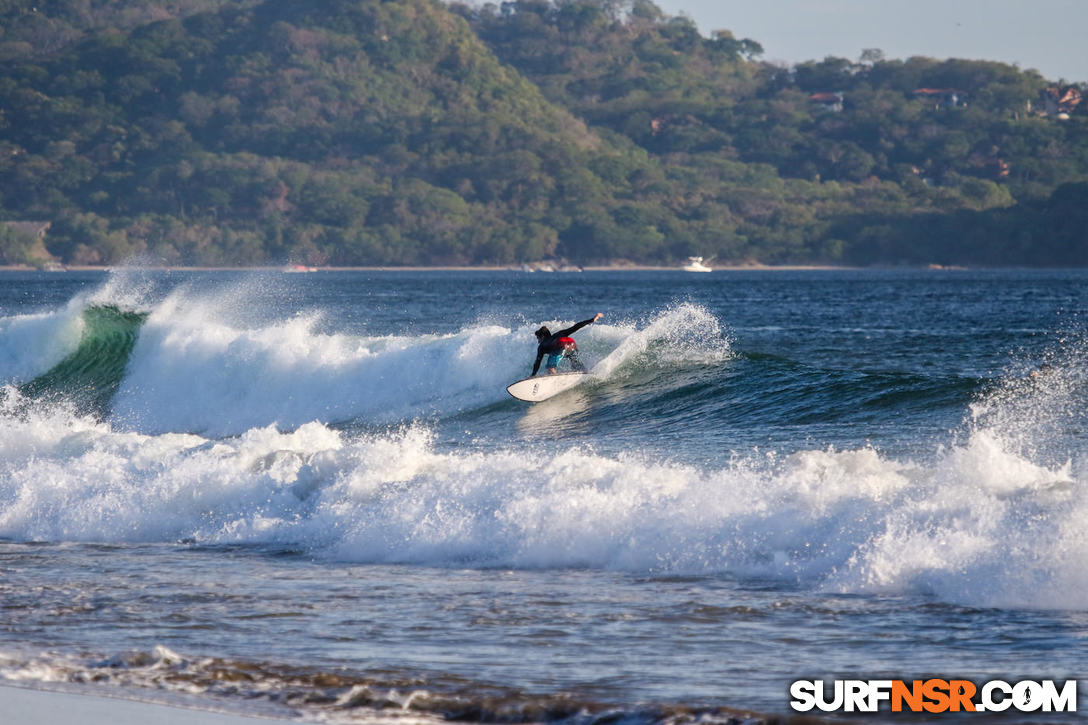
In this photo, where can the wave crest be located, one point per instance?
(848, 521)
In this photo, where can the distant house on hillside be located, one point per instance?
(826, 101)
(941, 97)
(1057, 101)
(660, 125)
(992, 166)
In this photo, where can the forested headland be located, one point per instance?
(417, 132)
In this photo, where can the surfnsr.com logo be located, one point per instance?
(934, 696)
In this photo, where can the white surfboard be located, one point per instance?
(542, 387)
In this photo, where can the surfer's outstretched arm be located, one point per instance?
(578, 326)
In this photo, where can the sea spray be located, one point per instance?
(31, 344)
(684, 334)
(1039, 410)
(999, 519)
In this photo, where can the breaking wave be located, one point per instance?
(222, 433)
(184, 364)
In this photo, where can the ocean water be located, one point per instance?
(309, 495)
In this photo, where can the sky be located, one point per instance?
(1047, 35)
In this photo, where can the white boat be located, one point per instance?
(695, 264)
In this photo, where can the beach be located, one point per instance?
(21, 706)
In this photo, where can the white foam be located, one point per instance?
(32, 344)
(191, 373)
(975, 525)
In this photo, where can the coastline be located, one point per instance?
(31, 706)
(481, 268)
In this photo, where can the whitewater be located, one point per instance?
(755, 457)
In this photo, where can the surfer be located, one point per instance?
(560, 345)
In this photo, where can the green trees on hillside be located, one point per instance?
(412, 132)
(332, 132)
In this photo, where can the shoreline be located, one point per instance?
(34, 706)
(507, 268)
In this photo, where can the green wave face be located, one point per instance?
(89, 377)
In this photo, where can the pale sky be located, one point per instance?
(1048, 35)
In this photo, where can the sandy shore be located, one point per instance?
(20, 706)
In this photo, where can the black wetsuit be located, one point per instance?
(551, 345)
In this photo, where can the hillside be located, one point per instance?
(412, 132)
(329, 132)
(883, 144)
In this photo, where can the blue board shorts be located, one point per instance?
(553, 360)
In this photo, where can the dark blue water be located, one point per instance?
(309, 494)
